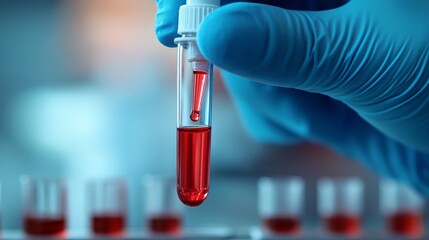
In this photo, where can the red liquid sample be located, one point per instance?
(200, 80)
(193, 163)
(45, 226)
(165, 224)
(110, 224)
(282, 224)
(343, 224)
(407, 224)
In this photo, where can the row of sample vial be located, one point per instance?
(280, 207)
(45, 204)
(340, 204)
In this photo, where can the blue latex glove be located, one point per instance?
(355, 78)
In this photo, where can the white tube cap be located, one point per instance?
(203, 2)
(193, 13)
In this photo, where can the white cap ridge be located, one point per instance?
(193, 13)
(203, 2)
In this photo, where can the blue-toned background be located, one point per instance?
(86, 91)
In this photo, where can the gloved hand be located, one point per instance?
(355, 77)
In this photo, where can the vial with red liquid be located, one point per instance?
(402, 209)
(44, 207)
(340, 205)
(107, 207)
(280, 203)
(194, 107)
(162, 209)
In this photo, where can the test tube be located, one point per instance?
(107, 202)
(163, 212)
(280, 202)
(194, 97)
(44, 207)
(340, 205)
(402, 209)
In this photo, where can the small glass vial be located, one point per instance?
(194, 107)
(44, 207)
(162, 209)
(402, 209)
(107, 202)
(280, 203)
(340, 205)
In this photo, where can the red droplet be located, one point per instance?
(195, 116)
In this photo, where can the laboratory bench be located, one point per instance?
(202, 234)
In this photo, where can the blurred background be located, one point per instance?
(86, 91)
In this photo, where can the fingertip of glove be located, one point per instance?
(165, 35)
(166, 21)
(227, 35)
(165, 31)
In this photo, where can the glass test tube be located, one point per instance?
(107, 202)
(163, 211)
(193, 132)
(280, 202)
(340, 205)
(44, 207)
(194, 109)
(402, 209)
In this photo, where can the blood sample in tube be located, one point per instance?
(193, 160)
